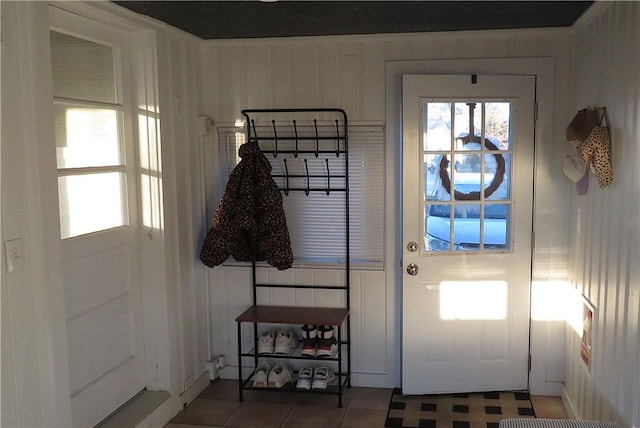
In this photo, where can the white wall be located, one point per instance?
(605, 223)
(349, 72)
(35, 376)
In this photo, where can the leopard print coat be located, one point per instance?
(249, 223)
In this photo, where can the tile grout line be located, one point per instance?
(286, 418)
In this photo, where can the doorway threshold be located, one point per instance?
(135, 410)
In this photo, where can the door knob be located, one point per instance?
(412, 247)
(412, 269)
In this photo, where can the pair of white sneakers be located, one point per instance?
(318, 378)
(280, 342)
(271, 377)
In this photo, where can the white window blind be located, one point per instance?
(316, 222)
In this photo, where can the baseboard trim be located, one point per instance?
(195, 389)
(161, 415)
(571, 411)
(171, 407)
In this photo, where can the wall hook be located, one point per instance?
(306, 167)
(286, 177)
(328, 177)
(275, 135)
(295, 131)
(255, 134)
(337, 139)
(315, 125)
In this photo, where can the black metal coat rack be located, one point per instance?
(309, 149)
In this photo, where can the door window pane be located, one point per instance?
(87, 137)
(466, 227)
(463, 119)
(497, 167)
(91, 202)
(437, 224)
(495, 228)
(498, 124)
(431, 170)
(437, 126)
(82, 69)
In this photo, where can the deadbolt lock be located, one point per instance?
(412, 247)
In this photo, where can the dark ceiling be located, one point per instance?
(252, 19)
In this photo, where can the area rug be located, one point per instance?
(472, 410)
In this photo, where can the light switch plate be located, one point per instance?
(14, 250)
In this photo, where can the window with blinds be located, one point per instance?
(317, 222)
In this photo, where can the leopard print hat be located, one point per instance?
(593, 141)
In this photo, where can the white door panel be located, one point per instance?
(466, 309)
(92, 281)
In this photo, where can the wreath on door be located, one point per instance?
(488, 191)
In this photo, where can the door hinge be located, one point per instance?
(533, 240)
(529, 362)
(535, 111)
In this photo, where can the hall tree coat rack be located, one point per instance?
(308, 150)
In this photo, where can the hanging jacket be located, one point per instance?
(249, 223)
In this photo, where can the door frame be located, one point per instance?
(543, 69)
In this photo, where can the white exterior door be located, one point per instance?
(98, 214)
(468, 152)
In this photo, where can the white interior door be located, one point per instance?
(467, 251)
(98, 215)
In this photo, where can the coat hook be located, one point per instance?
(295, 130)
(286, 175)
(315, 125)
(255, 134)
(275, 135)
(328, 177)
(337, 140)
(306, 166)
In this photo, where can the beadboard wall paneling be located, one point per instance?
(345, 71)
(349, 72)
(35, 375)
(181, 69)
(605, 226)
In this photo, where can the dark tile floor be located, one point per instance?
(218, 406)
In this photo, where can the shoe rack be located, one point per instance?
(303, 136)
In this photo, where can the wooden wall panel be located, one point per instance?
(606, 226)
(373, 82)
(329, 89)
(259, 76)
(35, 375)
(230, 80)
(282, 76)
(305, 75)
(181, 103)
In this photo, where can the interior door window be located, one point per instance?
(88, 117)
